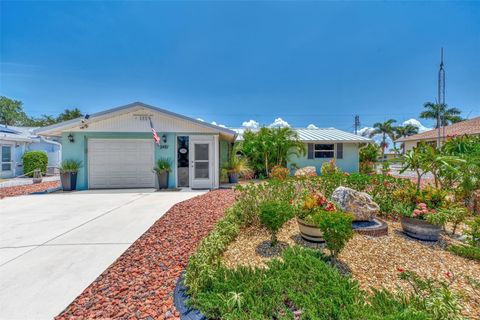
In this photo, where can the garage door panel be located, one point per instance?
(120, 163)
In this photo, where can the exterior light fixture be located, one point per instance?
(164, 138)
(70, 138)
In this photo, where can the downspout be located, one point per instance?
(57, 144)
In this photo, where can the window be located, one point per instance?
(6, 158)
(324, 151)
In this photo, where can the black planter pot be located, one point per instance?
(233, 177)
(69, 181)
(162, 178)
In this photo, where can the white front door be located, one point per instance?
(201, 164)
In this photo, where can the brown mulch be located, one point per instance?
(22, 190)
(374, 262)
(140, 283)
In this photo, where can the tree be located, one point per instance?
(69, 114)
(447, 115)
(385, 129)
(414, 160)
(11, 112)
(404, 131)
(269, 147)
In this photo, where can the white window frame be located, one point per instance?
(315, 150)
(6, 162)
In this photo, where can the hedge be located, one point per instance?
(33, 160)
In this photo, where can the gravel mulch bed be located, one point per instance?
(22, 190)
(374, 262)
(140, 283)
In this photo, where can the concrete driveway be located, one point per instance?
(53, 246)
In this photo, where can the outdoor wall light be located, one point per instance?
(164, 138)
(70, 138)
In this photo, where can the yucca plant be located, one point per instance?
(70, 165)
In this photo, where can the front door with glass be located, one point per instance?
(201, 164)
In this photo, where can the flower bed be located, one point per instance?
(221, 287)
(140, 283)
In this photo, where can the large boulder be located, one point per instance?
(306, 171)
(360, 204)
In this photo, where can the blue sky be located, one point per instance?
(306, 62)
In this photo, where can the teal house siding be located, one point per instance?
(349, 163)
(78, 150)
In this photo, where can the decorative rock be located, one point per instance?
(306, 171)
(360, 204)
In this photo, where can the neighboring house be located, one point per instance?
(15, 141)
(117, 150)
(466, 127)
(325, 144)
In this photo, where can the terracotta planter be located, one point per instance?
(309, 231)
(420, 229)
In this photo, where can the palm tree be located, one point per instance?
(447, 115)
(385, 129)
(404, 131)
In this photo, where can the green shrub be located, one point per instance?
(336, 228)
(273, 215)
(473, 233)
(163, 165)
(369, 153)
(469, 252)
(329, 167)
(298, 282)
(206, 259)
(33, 160)
(455, 215)
(279, 172)
(70, 166)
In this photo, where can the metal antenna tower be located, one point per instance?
(441, 98)
(357, 123)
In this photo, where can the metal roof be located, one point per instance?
(319, 135)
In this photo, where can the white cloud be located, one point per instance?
(312, 126)
(218, 124)
(250, 124)
(279, 123)
(366, 131)
(416, 123)
(200, 119)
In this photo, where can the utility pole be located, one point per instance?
(441, 98)
(357, 123)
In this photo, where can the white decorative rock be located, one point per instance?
(306, 171)
(360, 204)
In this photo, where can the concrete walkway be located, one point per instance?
(53, 246)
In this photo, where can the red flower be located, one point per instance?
(447, 274)
(400, 269)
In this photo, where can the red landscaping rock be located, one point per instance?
(140, 283)
(27, 189)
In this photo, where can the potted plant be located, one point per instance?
(236, 165)
(421, 222)
(310, 205)
(68, 174)
(163, 168)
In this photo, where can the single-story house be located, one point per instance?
(117, 149)
(324, 145)
(469, 127)
(15, 141)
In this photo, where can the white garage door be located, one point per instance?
(114, 163)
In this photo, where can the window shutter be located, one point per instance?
(339, 150)
(310, 151)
